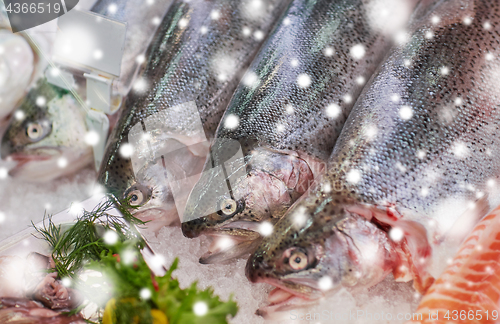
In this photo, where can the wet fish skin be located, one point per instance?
(411, 156)
(291, 107)
(46, 137)
(198, 55)
(38, 160)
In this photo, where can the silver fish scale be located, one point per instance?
(180, 68)
(295, 50)
(438, 140)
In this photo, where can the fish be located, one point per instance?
(192, 68)
(466, 292)
(25, 311)
(416, 164)
(61, 147)
(46, 136)
(289, 110)
(17, 63)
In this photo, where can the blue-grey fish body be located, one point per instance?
(192, 69)
(287, 113)
(418, 152)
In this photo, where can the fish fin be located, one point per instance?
(415, 246)
(467, 221)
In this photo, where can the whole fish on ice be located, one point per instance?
(416, 162)
(286, 115)
(58, 146)
(193, 66)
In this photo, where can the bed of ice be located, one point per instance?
(26, 202)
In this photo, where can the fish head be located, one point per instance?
(321, 246)
(242, 198)
(46, 136)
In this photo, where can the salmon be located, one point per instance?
(469, 289)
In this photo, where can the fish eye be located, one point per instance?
(298, 260)
(35, 131)
(136, 196)
(228, 206)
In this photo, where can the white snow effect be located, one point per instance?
(246, 31)
(467, 21)
(460, 149)
(286, 21)
(300, 217)
(329, 51)
(280, 128)
(19, 115)
(347, 98)
(62, 162)
(140, 58)
(395, 97)
(2, 217)
(396, 234)
(458, 101)
(140, 85)
(444, 70)
(294, 62)
(353, 176)
(424, 192)
(407, 63)
(435, 19)
(251, 79)
(421, 154)
(371, 131)
(429, 34)
(333, 110)
(215, 14)
(112, 8)
(360, 80)
(183, 22)
(41, 101)
(490, 56)
(200, 308)
(4, 173)
(97, 54)
(487, 25)
(289, 109)
(358, 51)
(405, 112)
(203, 30)
(325, 283)
(266, 229)
(156, 21)
(91, 138)
(66, 282)
(303, 80)
(145, 293)
(126, 150)
(259, 35)
(231, 121)
(110, 237)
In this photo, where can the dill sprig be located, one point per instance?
(75, 244)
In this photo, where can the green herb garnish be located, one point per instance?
(81, 247)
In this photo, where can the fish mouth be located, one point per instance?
(156, 218)
(229, 243)
(280, 302)
(287, 296)
(43, 164)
